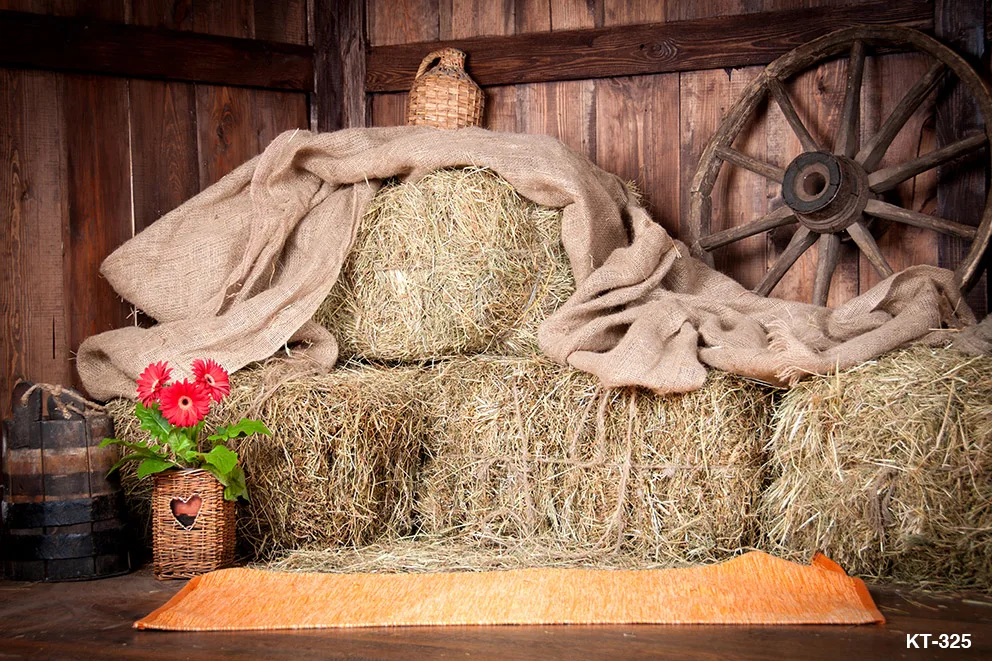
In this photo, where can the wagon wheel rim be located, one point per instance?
(833, 191)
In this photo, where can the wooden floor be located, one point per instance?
(92, 620)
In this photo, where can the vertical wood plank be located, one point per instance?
(338, 36)
(402, 21)
(225, 138)
(228, 18)
(235, 124)
(33, 203)
(565, 110)
(887, 78)
(532, 16)
(738, 196)
(633, 12)
(170, 14)
(274, 112)
(685, 10)
(163, 126)
(480, 18)
(637, 138)
(501, 109)
(575, 14)
(389, 109)
(163, 148)
(99, 194)
(961, 192)
(285, 21)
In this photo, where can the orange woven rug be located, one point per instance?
(755, 588)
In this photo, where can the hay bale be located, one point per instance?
(424, 554)
(886, 468)
(340, 466)
(528, 451)
(455, 263)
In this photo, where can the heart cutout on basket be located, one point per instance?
(186, 511)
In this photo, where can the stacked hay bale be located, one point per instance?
(886, 468)
(495, 459)
(456, 263)
(530, 451)
(339, 467)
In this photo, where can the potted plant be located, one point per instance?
(197, 477)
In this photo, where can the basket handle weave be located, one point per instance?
(449, 57)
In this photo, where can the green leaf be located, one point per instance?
(223, 478)
(123, 460)
(222, 458)
(110, 441)
(183, 446)
(219, 435)
(243, 428)
(153, 421)
(150, 466)
(237, 487)
(143, 448)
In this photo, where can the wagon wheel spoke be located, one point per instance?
(828, 252)
(890, 177)
(800, 243)
(847, 134)
(886, 211)
(791, 116)
(781, 216)
(766, 170)
(866, 242)
(875, 149)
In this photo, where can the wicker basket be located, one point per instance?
(186, 540)
(444, 96)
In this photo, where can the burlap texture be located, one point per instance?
(237, 272)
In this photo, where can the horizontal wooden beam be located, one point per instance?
(35, 41)
(709, 43)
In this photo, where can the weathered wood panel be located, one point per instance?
(389, 109)
(99, 215)
(163, 126)
(402, 21)
(738, 195)
(235, 124)
(706, 43)
(337, 29)
(887, 79)
(637, 138)
(110, 48)
(960, 24)
(33, 202)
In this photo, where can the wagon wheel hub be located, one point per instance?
(827, 192)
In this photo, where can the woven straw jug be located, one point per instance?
(444, 96)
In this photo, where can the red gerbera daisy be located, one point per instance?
(184, 404)
(213, 378)
(152, 381)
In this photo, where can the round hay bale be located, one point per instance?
(340, 465)
(886, 469)
(456, 263)
(529, 451)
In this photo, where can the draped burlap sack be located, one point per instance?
(237, 272)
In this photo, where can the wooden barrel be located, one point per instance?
(62, 516)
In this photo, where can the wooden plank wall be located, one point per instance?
(90, 160)
(652, 129)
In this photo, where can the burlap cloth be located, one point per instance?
(236, 273)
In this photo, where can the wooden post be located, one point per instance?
(960, 24)
(337, 34)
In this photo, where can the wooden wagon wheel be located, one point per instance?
(831, 195)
